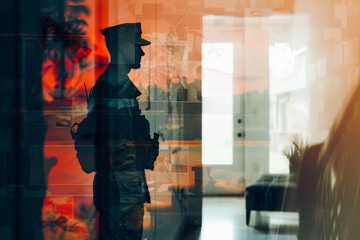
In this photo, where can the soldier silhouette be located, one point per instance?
(123, 146)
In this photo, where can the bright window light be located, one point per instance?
(217, 103)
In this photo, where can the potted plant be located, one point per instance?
(295, 154)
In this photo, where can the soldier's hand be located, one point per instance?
(155, 145)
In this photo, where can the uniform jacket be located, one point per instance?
(112, 105)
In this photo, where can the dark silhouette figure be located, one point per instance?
(329, 180)
(23, 169)
(123, 146)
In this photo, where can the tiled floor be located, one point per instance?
(224, 219)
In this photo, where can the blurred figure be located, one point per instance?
(177, 89)
(123, 146)
(329, 180)
(23, 127)
(194, 89)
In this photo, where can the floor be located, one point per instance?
(224, 218)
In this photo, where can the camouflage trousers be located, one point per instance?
(121, 222)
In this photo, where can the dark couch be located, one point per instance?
(272, 192)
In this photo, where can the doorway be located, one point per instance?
(235, 103)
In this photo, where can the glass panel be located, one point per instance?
(105, 104)
(217, 99)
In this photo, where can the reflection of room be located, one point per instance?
(237, 90)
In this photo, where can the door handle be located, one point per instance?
(240, 134)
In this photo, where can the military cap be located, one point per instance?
(127, 31)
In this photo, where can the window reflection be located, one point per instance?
(217, 99)
(240, 92)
